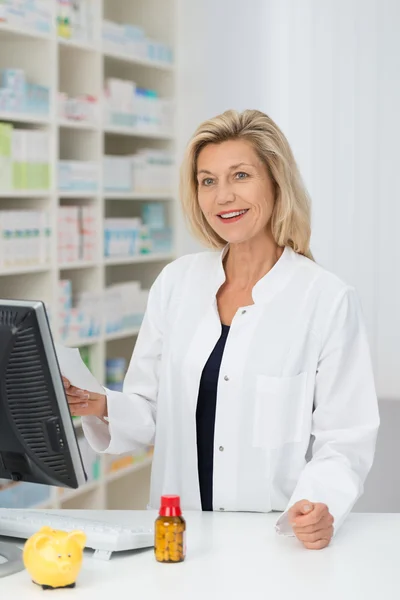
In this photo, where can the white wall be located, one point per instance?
(219, 43)
(328, 72)
(334, 88)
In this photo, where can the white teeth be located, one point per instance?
(232, 214)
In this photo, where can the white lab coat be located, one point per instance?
(296, 367)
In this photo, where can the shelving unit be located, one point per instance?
(136, 260)
(77, 67)
(138, 133)
(150, 64)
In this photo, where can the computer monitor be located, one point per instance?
(37, 438)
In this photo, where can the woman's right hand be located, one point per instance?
(83, 403)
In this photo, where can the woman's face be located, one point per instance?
(235, 191)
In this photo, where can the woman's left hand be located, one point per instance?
(312, 524)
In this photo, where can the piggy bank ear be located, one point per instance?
(79, 537)
(41, 539)
(46, 529)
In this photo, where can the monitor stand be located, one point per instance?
(13, 556)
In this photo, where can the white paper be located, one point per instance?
(75, 370)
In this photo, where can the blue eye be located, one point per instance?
(241, 175)
(208, 181)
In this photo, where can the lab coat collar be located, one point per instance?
(273, 282)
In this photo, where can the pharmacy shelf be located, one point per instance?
(24, 270)
(108, 337)
(135, 260)
(78, 44)
(80, 264)
(14, 31)
(20, 117)
(132, 132)
(141, 196)
(143, 62)
(76, 68)
(24, 194)
(76, 194)
(83, 125)
(121, 335)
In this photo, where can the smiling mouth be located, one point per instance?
(234, 215)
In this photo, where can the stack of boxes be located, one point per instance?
(127, 105)
(18, 95)
(30, 155)
(76, 234)
(25, 238)
(35, 15)
(124, 237)
(132, 41)
(83, 109)
(147, 171)
(78, 176)
(24, 159)
(157, 230)
(80, 317)
(120, 307)
(124, 306)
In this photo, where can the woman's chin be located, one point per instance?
(232, 237)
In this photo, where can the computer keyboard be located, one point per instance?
(102, 537)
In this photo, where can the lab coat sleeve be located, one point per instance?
(132, 412)
(345, 418)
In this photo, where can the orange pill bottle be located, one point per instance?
(170, 531)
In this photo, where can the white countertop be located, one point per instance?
(239, 555)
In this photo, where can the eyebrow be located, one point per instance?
(231, 168)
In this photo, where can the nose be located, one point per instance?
(65, 567)
(225, 194)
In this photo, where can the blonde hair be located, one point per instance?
(290, 221)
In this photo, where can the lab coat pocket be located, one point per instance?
(279, 410)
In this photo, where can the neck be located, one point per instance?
(247, 262)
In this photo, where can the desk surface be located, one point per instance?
(237, 555)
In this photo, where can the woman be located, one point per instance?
(247, 354)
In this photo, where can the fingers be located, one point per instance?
(77, 393)
(85, 410)
(74, 391)
(326, 522)
(79, 410)
(312, 518)
(317, 545)
(76, 400)
(315, 536)
(302, 507)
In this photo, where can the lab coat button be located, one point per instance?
(221, 448)
(244, 312)
(226, 378)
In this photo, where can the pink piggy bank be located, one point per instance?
(54, 558)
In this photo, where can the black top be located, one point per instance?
(205, 420)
